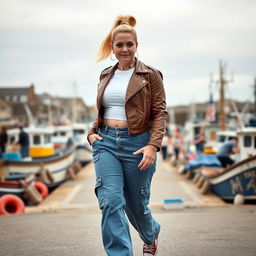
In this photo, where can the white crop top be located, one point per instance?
(114, 96)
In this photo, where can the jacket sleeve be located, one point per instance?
(93, 128)
(158, 109)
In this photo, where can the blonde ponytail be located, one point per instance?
(122, 24)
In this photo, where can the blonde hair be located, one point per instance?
(122, 24)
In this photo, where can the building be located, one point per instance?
(18, 94)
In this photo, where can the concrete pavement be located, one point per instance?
(68, 222)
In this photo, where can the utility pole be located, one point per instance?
(74, 101)
(222, 116)
(255, 96)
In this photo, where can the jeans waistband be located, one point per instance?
(105, 129)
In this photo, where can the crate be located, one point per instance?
(173, 204)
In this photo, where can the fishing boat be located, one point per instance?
(83, 149)
(240, 178)
(43, 156)
(40, 140)
(61, 136)
(208, 159)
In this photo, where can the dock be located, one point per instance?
(67, 222)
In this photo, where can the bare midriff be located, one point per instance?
(115, 123)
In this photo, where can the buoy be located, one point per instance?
(239, 199)
(205, 187)
(71, 174)
(41, 187)
(33, 194)
(50, 176)
(11, 204)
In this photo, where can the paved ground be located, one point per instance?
(68, 222)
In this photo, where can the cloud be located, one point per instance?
(53, 43)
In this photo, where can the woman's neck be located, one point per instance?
(125, 66)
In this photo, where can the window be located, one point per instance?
(36, 140)
(247, 141)
(221, 138)
(254, 141)
(62, 133)
(23, 98)
(14, 98)
(55, 134)
(79, 131)
(47, 139)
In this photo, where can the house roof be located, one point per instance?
(10, 91)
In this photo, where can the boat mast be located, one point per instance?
(222, 117)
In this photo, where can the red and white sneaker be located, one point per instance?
(150, 250)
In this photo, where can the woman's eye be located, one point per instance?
(129, 45)
(120, 45)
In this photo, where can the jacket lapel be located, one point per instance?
(107, 75)
(137, 81)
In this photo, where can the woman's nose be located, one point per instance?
(124, 48)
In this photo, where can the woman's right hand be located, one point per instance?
(93, 137)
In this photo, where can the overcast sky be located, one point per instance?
(53, 44)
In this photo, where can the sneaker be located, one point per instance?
(150, 250)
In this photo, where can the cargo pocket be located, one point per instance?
(99, 192)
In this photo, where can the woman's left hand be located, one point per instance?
(149, 155)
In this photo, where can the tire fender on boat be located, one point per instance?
(200, 181)
(205, 187)
(71, 173)
(50, 176)
(77, 167)
(181, 169)
(43, 176)
(11, 204)
(188, 174)
(42, 188)
(196, 178)
(33, 194)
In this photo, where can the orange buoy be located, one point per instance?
(41, 187)
(11, 204)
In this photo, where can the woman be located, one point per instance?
(125, 137)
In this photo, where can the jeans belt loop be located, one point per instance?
(106, 128)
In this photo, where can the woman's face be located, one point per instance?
(124, 47)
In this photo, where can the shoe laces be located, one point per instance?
(149, 248)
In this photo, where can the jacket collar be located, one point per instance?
(140, 67)
(136, 82)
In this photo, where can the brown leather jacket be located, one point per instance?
(145, 104)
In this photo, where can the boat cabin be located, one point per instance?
(40, 140)
(223, 136)
(61, 135)
(247, 142)
(80, 132)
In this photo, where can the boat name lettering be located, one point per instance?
(251, 185)
(236, 185)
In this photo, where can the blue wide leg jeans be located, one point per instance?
(123, 190)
